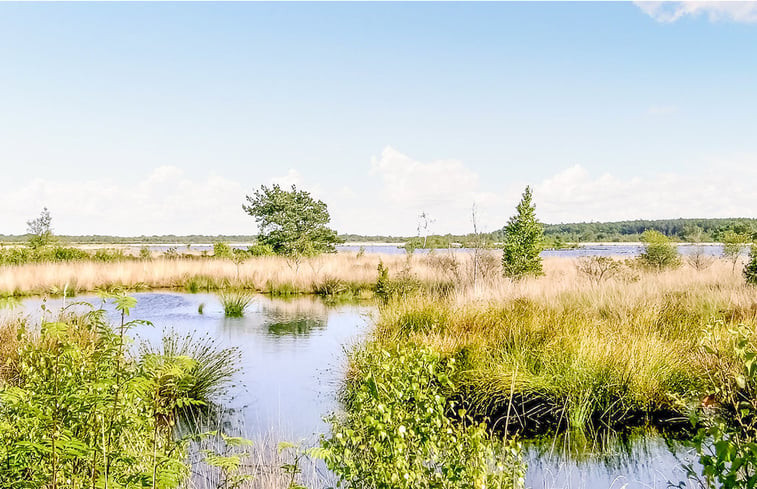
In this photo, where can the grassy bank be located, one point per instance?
(564, 353)
(326, 274)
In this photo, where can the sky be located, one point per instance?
(158, 118)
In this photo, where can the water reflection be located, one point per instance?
(642, 458)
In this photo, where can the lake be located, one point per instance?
(623, 250)
(293, 361)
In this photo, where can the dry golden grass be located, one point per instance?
(266, 273)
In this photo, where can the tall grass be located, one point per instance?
(563, 353)
(270, 274)
(234, 303)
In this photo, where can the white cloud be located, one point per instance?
(293, 177)
(722, 190)
(444, 189)
(168, 201)
(165, 201)
(715, 11)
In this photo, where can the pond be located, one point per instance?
(293, 360)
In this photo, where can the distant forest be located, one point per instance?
(557, 235)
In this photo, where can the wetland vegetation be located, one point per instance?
(471, 356)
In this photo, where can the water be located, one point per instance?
(293, 359)
(623, 250)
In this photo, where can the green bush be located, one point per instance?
(727, 445)
(81, 411)
(750, 270)
(659, 252)
(401, 430)
(221, 250)
(260, 250)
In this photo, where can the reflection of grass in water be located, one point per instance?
(611, 448)
(262, 459)
(642, 456)
(296, 327)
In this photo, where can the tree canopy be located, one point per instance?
(291, 222)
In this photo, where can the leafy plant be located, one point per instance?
(750, 270)
(402, 431)
(659, 252)
(734, 245)
(727, 445)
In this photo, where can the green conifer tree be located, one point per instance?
(523, 240)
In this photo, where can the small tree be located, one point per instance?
(699, 259)
(659, 252)
(750, 270)
(523, 240)
(40, 229)
(598, 268)
(292, 222)
(734, 245)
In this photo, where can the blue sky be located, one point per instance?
(143, 118)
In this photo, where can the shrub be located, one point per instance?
(80, 410)
(659, 252)
(221, 250)
(598, 268)
(260, 250)
(750, 270)
(402, 431)
(727, 445)
(145, 253)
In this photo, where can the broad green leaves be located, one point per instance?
(402, 432)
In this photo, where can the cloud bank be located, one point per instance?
(168, 201)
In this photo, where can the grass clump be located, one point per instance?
(212, 367)
(234, 303)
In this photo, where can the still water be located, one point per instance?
(293, 360)
(622, 250)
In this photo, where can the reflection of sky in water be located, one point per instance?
(625, 250)
(292, 350)
(293, 361)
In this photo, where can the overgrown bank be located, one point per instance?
(619, 353)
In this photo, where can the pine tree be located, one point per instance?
(523, 240)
